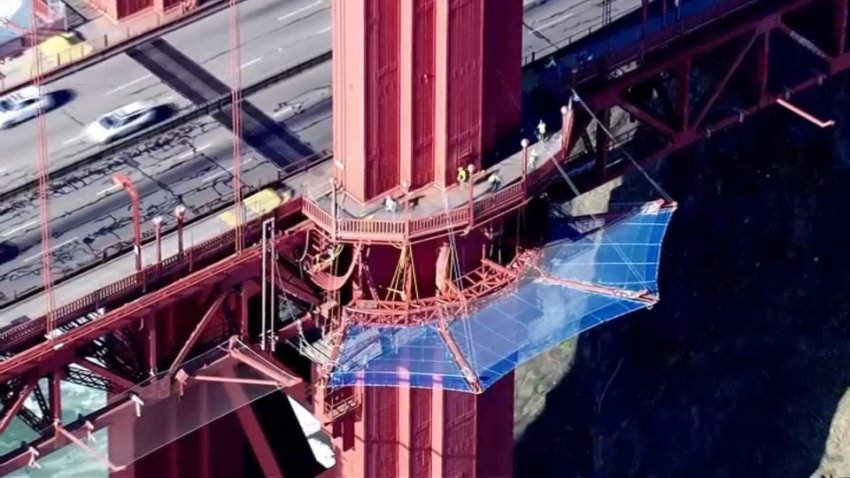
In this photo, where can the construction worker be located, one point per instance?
(462, 176)
(495, 180)
(541, 131)
(533, 156)
(390, 204)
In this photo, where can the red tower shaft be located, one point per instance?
(422, 88)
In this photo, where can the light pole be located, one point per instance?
(157, 230)
(124, 182)
(524, 144)
(180, 214)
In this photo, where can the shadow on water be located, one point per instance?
(738, 371)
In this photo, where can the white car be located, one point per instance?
(22, 105)
(121, 122)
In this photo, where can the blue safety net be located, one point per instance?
(585, 276)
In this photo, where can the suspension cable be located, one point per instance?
(43, 178)
(236, 120)
(608, 133)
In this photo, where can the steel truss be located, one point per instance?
(140, 340)
(712, 80)
(661, 91)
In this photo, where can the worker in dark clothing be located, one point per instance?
(495, 181)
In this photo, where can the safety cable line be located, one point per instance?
(467, 328)
(602, 230)
(608, 133)
(43, 176)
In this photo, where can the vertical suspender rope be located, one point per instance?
(236, 121)
(43, 178)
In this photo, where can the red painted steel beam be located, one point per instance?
(231, 268)
(236, 269)
(211, 312)
(759, 21)
(646, 117)
(724, 81)
(113, 414)
(12, 409)
(113, 377)
(257, 439)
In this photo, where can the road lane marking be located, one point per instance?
(323, 30)
(226, 171)
(108, 190)
(189, 154)
(299, 10)
(74, 139)
(556, 21)
(57, 246)
(249, 63)
(19, 228)
(282, 112)
(129, 84)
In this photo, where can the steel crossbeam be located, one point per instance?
(680, 95)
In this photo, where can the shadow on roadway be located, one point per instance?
(163, 112)
(738, 371)
(62, 98)
(8, 252)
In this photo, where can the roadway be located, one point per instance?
(189, 166)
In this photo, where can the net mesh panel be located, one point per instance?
(167, 416)
(617, 251)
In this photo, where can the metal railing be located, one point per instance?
(635, 51)
(406, 229)
(177, 265)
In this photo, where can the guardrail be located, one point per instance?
(177, 265)
(661, 38)
(194, 113)
(216, 206)
(93, 50)
(412, 229)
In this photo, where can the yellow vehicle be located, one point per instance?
(257, 204)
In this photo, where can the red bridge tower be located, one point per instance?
(422, 88)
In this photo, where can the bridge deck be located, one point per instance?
(314, 182)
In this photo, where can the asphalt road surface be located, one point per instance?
(275, 34)
(189, 166)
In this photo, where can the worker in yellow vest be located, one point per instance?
(462, 176)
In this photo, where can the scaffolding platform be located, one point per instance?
(593, 270)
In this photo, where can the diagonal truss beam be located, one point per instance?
(116, 379)
(805, 42)
(212, 311)
(13, 408)
(460, 359)
(646, 117)
(253, 430)
(721, 85)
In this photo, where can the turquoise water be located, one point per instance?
(71, 461)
